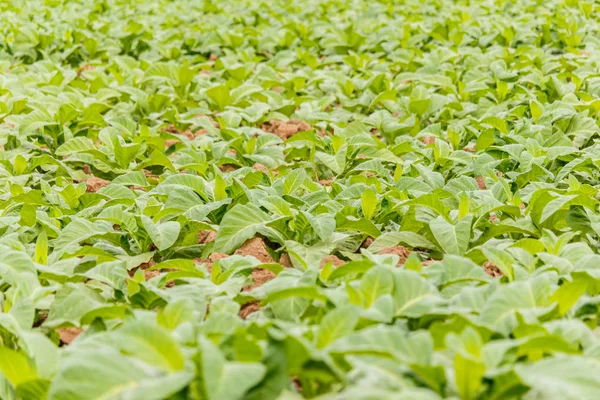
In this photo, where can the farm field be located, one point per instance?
(334, 200)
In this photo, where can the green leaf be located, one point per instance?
(453, 239)
(15, 367)
(41, 249)
(570, 377)
(414, 296)
(368, 203)
(151, 343)
(376, 282)
(220, 95)
(104, 373)
(239, 224)
(219, 379)
(568, 293)
(336, 324)
(164, 234)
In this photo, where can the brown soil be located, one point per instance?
(297, 384)
(85, 67)
(228, 167)
(400, 251)
(187, 133)
(68, 335)
(206, 236)
(93, 184)
(255, 247)
(144, 267)
(286, 261)
(469, 149)
(335, 261)
(428, 139)
(214, 257)
(325, 182)
(86, 169)
(491, 269)
(367, 242)
(249, 308)
(260, 167)
(260, 276)
(191, 135)
(150, 274)
(171, 129)
(285, 129)
(43, 316)
(481, 182)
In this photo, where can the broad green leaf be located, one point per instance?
(336, 324)
(163, 234)
(104, 373)
(219, 379)
(453, 239)
(368, 203)
(570, 377)
(240, 223)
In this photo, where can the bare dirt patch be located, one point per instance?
(249, 308)
(262, 276)
(85, 67)
(400, 251)
(367, 242)
(206, 236)
(228, 167)
(491, 269)
(214, 257)
(68, 335)
(260, 167)
(286, 261)
(144, 267)
(93, 184)
(428, 139)
(335, 261)
(285, 129)
(187, 133)
(255, 247)
(481, 182)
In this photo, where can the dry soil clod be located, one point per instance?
(93, 184)
(491, 269)
(68, 335)
(285, 129)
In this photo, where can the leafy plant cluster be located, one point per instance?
(299, 199)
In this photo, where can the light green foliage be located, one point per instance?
(286, 199)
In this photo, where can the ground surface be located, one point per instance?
(280, 200)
